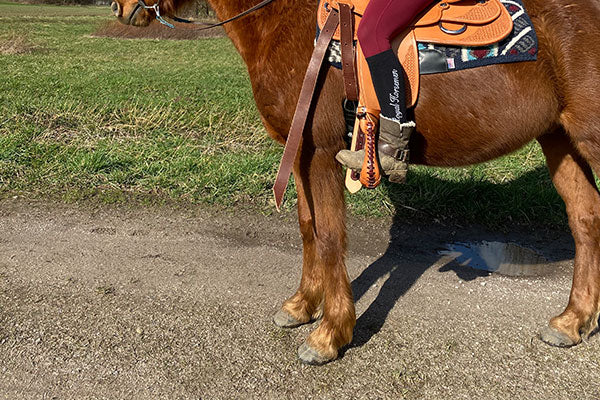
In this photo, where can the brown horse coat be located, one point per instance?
(465, 117)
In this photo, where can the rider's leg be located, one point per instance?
(381, 22)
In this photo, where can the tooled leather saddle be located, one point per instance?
(448, 22)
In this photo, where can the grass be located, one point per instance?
(113, 120)
(12, 10)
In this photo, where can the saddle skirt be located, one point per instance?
(448, 22)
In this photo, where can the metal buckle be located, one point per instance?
(361, 112)
(157, 12)
(404, 155)
(452, 31)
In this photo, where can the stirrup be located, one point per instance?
(394, 166)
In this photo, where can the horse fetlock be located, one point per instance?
(323, 343)
(329, 337)
(591, 326)
(298, 310)
(310, 355)
(578, 323)
(283, 319)
(322, 346)
(566, 329)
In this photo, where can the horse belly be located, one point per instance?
(475, 115)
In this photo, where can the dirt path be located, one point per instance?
(159, 304)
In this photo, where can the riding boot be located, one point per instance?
(392, 150)
(387, 76)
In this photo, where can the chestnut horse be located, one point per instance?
(464, 117)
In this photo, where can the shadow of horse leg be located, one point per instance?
(574, 181)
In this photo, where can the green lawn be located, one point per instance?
(110, 120)
(11, 10)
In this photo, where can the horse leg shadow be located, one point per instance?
(402, 275)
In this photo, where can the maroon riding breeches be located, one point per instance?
(383, 19)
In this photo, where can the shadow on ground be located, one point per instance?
(406, 238)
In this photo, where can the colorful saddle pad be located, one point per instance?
(520, 45)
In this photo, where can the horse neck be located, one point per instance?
(280, 23)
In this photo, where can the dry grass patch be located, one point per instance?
(16, 44)
(156, 30)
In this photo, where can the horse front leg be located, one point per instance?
(325, 283)
(306, 304)
(574, 181)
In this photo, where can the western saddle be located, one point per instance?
(448, 22)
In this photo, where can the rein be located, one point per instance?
(160, 19)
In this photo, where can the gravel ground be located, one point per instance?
(157, 303)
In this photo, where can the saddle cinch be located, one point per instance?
(469, 23)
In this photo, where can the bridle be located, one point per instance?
(160, 19)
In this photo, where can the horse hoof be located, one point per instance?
(310, 356)
(554, 337)
(284, 320)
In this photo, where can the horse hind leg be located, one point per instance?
(571, 162)
(574, 181)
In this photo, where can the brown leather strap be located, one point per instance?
(347, 46)
(303, 107)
